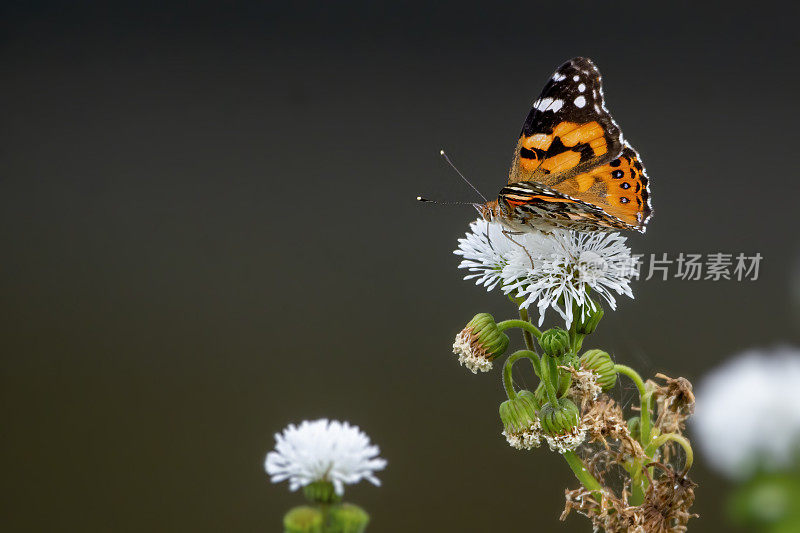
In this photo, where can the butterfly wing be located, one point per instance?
(609, 197)
(529, 205)
(568, 130)
(620, 188)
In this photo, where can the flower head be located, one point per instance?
(747, 414)
(323, 450)
(554, 270)
(521, 426)
(480, 343)
(600, 363)
(561, 425)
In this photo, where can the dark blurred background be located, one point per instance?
(208, 228)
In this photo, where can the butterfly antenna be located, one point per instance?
(444, 155)
(429, 201)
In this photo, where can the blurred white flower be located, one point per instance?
(543, 268)
(747, 414)
(323, 450)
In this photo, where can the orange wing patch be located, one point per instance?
(539, 155)
(590, 133)
(561, 162)
(619, 188)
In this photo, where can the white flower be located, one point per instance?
(470, 355)
(568, 441)
(486, 252)
(747, 414)
(526, 439)
(542, 268)
(323, 450)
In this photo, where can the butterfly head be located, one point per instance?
(489, 211)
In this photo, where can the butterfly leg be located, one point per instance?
(508, 235)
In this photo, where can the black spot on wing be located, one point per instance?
(528, 154)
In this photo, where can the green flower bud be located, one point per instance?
(586, 323)
(557, 419)
(570, 359)
(321, 492)
(520, 424)
(348, 518)
(303, 519)
(479, 343)
(561, 425)
(600, 363)
(555, 342)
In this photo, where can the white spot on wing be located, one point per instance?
(548, 104)
(596, 108)
(542, 104)
(581, 87)
(558, 76)
(580, 101)
(575, 77)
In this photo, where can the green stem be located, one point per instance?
(644, 399)
(326, 517)
(517, 323)
(577, 342)
(583, 474)
(637, 487)
(662, 439)
(550, 378)
(523, 314)
(527, 335)
(513, 358)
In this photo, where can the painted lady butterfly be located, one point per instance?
(572, 169)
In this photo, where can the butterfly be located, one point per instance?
(572, 168)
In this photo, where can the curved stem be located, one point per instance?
(508, 383)
(584, 476)
(644, 399)
(518, 323)
(680, 439)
